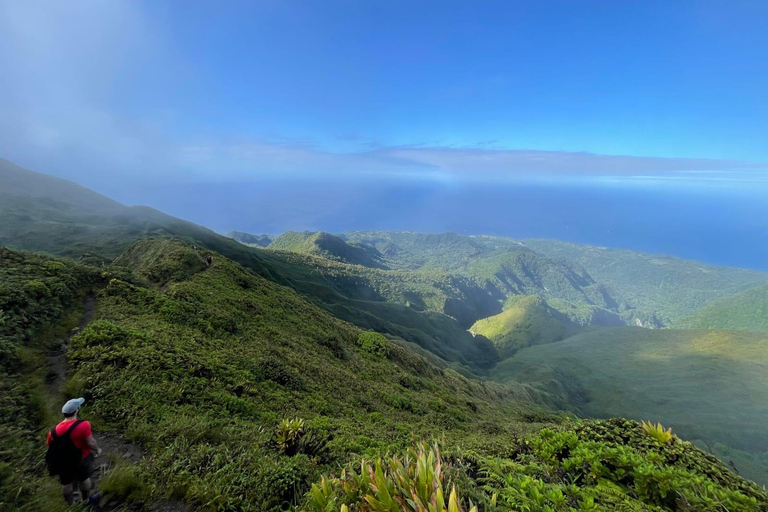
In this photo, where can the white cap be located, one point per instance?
(72, 406)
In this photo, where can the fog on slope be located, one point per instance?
(715, 224)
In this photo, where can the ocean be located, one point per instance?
(719, 223)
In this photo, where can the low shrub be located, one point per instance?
(374, 343)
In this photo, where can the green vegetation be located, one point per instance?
(124, 484)
(328, 246)
(525, 321)
(373, 343)
(418, 482)
(745, 311)
(247, 373)
(203, 373)
(664, 287)
(45, 214)
(709, 385)
(657, 432)
(406, 305)
(35, 293)
(591, 465)
(500, 266)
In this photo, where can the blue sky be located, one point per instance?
(128, 96)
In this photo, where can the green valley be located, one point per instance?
(524, 322)
(708, 385)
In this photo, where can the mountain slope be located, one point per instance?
(198, 364)
(500, 267)
(46, 214)
(209, 368)
(200, 374)
(58, 219)
(745, 311)
(328, 246)
(707, 385)
(413, 307)
(525, 321)
(667, 287)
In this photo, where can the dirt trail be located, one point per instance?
(113, 448)
(57, 360)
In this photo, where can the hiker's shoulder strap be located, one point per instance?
(73, 427)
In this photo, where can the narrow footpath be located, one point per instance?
(113, 447)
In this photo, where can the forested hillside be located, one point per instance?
(668, 287)
(744, 311)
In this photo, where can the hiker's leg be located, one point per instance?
(68, 491)
(85, 489)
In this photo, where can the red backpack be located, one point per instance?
(62, 453)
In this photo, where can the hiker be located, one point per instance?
(71, 448)
(209, 259)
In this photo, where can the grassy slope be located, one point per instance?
(41, 213)
(45, 214)
(39, 301)
(669, 287)
(747, 311)
(399, 303)
(525, 321)
(707, 385)
(495, 267)
(328, 246)
(199, 365)
(507, 268)
(201, 374)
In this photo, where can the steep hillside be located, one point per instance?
(526, 320)
(39, 302)
(507, 267)
(422, 251)
(744, 311)
(670, 288)
(47, 214)
(413, 306)
(200, 366)
(707, 385)
(238, 394)
(56, 222)
(328, 246)
(17, 181)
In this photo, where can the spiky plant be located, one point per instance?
(417, 482)
(657, 432)
(288, 435)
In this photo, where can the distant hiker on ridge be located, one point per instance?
(70, 447)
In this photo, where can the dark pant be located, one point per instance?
(79, 473)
